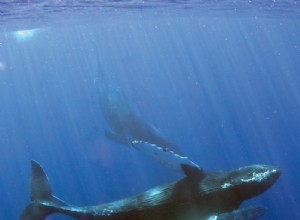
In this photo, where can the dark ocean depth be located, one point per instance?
(225, 89)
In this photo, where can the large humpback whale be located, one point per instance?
(198, 196)
(126, 125)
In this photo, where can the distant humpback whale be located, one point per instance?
(198, 196)
(123, 119)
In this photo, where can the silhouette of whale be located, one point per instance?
(125, 122)
(199, 195)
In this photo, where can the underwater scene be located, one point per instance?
(149, 110)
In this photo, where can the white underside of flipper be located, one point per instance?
(166, 157)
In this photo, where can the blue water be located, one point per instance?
(223, 85)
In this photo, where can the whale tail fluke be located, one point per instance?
(40, 196)
(39, 184)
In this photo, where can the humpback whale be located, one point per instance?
(199, 195)
(126, 125)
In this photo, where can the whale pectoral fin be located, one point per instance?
(249, 213)
(167, 157)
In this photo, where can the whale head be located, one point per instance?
(250, 181)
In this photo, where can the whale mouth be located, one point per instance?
(276, 173)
